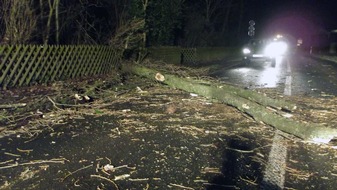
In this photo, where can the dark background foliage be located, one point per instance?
(176, 22)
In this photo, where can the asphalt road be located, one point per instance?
(167, 139)
(296, 74)
(293, 75)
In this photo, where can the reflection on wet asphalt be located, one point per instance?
(294, 76)
(309, 77)
(258, 74)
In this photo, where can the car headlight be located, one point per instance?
(275, 49)
(246, 51)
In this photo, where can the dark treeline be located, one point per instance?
(123, 23)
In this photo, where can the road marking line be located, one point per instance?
(274, 175)
(288, 67)
(287, 89)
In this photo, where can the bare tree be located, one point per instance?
(85, 24)
(242, 7)
(130, 32)
(214, 22)
(53, 7)
(227, 14)
(57, 21)
(19, 21)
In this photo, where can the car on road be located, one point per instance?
(264, 50)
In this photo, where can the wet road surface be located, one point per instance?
(295, 74)
(198, 145)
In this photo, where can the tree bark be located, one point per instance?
(52, 6)
(57, 21)
(242, 7)
(226, 20)
(242, 100)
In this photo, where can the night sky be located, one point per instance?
(298, 18)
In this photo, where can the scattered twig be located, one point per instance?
(106, 179)
(76, 183)
(72, 173)
(54, 104)
(53, 161)
(121, 93)
(11, 154)
(249, 181)
(125, 166)
(200, 181)
(8, 106)
(109, 167)
(24, 151)
(210, 170)
(181, 186)
(10, 166)
(8, 161)
(139, 179)
(242, 151)
(121, 177)
(333, 174)
(108, 159)
(33, 137)
(298, 174)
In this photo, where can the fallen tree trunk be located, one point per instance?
(235, 97)
(254, 96)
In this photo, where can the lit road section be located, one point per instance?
(270, 77)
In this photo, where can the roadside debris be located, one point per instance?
(144, 135)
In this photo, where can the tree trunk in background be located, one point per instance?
(145, 4)
(306, 131)
(240, 18)
(41, 16)
(57, 22)
(226, 21)
(52, 7)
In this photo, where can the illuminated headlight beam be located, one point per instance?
(246, 51)
(276, 49)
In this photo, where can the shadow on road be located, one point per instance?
(242, 167)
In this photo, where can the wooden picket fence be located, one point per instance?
(22, 65)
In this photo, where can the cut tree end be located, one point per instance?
(160, 77)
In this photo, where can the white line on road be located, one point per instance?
(274, 175)
(287, 89)
(288, 67)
